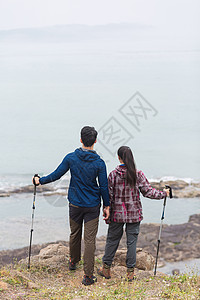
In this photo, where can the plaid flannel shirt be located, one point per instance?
(125, 201)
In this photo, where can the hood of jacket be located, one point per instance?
(86, 155)
(121, 171)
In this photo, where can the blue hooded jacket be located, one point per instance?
(85, 167)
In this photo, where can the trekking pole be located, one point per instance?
(33, 211)
(162, 218)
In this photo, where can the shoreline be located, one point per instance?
(178, 243)
(181, 188)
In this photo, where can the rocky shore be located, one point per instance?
(181, 189)
(178, 243)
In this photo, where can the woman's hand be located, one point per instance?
(167, 191)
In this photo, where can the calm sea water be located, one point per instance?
(48, 91)
(51, 222)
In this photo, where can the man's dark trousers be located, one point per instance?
(90, 216)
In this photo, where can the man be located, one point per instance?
(84, 197)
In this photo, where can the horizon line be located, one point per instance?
(78, 24)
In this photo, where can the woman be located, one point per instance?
(125, 184)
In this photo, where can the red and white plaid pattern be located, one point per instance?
(125, 201)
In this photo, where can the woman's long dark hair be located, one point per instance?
(126, 155)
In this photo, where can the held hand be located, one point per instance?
(37, 182)
(106, 213)
(167, 191)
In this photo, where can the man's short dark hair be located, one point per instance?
(88, 136)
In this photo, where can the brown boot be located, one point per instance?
(130, 274)
(104, 271)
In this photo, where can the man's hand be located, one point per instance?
(36, 179)
(167, 191)
(106, 213)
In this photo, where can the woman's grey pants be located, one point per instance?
(115, 232)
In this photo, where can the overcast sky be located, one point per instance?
(182, 15)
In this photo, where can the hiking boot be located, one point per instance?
(130, 274)
(104, 271)
(72, 266)
(88, 280)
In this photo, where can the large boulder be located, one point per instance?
(144, 260)
(52, 256)
(57, 255)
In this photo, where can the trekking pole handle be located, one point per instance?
(170, 191)
(36, 175)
